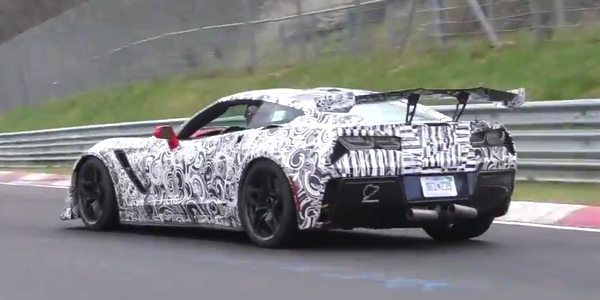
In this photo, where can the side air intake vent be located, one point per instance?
(122, 158)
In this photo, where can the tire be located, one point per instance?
(460, 231)
(96, 199)
(266, 206)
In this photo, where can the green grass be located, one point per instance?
(571, 193)
(549, 71)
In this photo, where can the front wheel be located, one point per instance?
(266, 205)
(96, 196)
(463, 230)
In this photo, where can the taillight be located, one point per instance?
(348, 143)
(496, 137)
(371, 142)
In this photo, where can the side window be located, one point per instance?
(239, 116)
(271, 113)
(238, 110)
(207, 122)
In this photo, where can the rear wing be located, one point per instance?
(507, 99)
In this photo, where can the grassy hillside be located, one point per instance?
(19, 16)
(550, 71)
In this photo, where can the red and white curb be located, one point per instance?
(34, 179)
(552, 215)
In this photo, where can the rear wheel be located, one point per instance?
(462, 230)
(96, 196)
(266, 206)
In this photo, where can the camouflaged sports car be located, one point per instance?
(279, 161)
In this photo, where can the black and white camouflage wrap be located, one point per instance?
(198, 182)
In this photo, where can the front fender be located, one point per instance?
(71, 210)
(102, 151)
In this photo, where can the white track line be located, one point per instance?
(35, 177)
(548, 226)
(62, 183)
(33, 185)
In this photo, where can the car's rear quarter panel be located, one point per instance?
(302, 153)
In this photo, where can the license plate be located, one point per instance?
(438, 186)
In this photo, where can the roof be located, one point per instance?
(322, 98)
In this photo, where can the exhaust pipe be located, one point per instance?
(422, 215)
(464, 212)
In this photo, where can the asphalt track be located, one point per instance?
(44, 258)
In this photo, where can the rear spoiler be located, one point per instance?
(507, 99)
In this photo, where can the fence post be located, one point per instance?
(391, 7)
(438, 30)
(357, 10)
(541, 23)
(411, 9)
(284, 41)
(485, 23)
(396, 11)
(22, 70)
(559, 10)
(249, 29)
(490, 11)
(300, 16)
(313, 41)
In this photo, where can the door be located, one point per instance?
(191, 184)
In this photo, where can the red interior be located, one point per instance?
(204, 132)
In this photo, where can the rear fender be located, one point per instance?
(303, 155)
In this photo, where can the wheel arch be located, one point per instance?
(79, 163)
(75, 172)
(71, 208)
(293, 185)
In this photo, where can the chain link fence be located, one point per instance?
(104, 43)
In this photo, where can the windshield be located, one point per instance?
(393, 111)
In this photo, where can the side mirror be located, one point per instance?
(166, 132)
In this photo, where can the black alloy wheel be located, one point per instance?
(267, 207)
(96, 196)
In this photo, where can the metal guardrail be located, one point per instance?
(543, 115)
(62, 146)
(556, 140)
